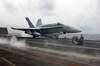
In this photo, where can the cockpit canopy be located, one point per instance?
(58, 23)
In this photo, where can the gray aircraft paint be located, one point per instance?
(39, 23)
(30, 23)
(46, 30)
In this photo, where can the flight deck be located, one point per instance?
(50, 52)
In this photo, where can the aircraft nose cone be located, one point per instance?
(77, 30)
(80, 31)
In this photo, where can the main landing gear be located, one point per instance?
(34, 36)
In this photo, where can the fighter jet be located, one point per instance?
(48, 30)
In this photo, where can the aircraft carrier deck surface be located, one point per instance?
(49, 52)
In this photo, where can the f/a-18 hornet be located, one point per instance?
(48, 30)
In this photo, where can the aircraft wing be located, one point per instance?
(37, 28)
(24, 29)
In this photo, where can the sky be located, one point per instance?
(81, 14)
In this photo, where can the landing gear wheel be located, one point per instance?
(34, 37)
(57, 38)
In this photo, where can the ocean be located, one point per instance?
(86, 36)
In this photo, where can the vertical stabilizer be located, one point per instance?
(39, 23)
(29, 22)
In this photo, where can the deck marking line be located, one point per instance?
(8, 61)
(42, 57)
(50, 59)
